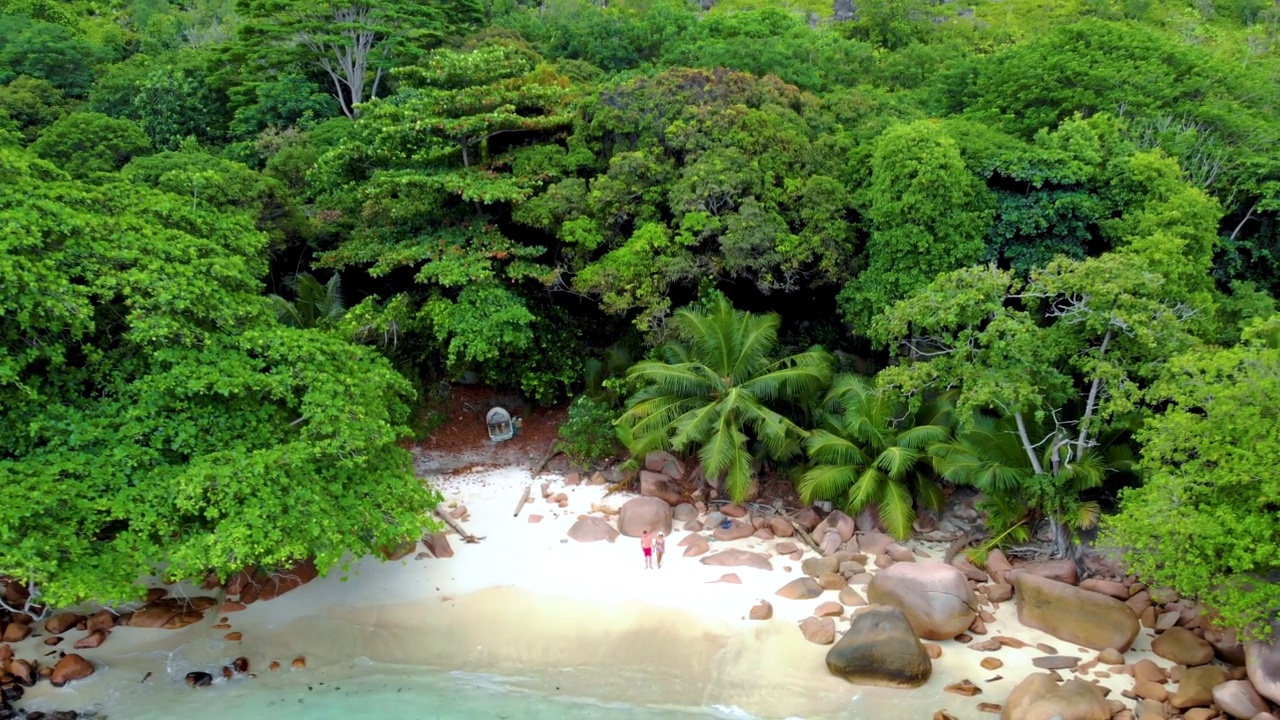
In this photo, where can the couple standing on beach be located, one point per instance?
(652, 546)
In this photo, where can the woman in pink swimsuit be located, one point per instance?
(646, 544)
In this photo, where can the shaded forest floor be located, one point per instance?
(461, 441)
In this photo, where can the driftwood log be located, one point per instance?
(462, 532)
(524, 498)
(536, 468)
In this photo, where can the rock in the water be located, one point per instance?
(23, 672)
(761, 611)
(61, 623)
(805, 588)
(92, 640)
(1039, 697)
(594, 529)
(1083, 617)
(821, 631)
(936, 598)
(734, 557)
(880, 648)
(1262, 660)
(1181, 646)
(696, 546)
(199, 679)
(437, 543)
(654, 485)
(1238, 699)
(684, 512)
(70, 667)
(663, 462)
(644, 513)
(1195, 689)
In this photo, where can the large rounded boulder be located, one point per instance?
(880, 648)
(936, 598)
(1074, 614)
(1262, 660)
(644, 513)
(70, 667)
(1040, 697)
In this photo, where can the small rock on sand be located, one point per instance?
(734, 557)
(805, 588)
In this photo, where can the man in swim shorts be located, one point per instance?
(646, 544)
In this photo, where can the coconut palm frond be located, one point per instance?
(695, 425)
(737, 481)
(823, 482)
(868, 488)
(1086, 473)
(831, 449)
(757, 338)
(896, 510)
(928, 493)
(922, 436)
(1087, 515)
(897, 461)
(719, 450)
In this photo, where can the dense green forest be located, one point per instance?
(878, 247)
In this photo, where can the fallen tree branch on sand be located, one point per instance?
(524, 498)
(462, 533)
(552, 451)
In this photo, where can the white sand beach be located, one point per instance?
(578, 619)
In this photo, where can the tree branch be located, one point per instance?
(1092, 400)
(1026, 443)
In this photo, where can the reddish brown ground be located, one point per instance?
(462, 442)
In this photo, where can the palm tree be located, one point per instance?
(871, 448)
(313, 305)
(989, 456)
(716, 388)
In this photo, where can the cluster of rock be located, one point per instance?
(877, 639)
(251, 584)
(17, 674)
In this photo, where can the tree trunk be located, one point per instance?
(1064, 545)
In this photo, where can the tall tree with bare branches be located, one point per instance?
(355, 42)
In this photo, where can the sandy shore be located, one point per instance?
(580, 618)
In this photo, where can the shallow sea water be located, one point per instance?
(370, 691)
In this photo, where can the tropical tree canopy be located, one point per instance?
(871, 449)
(720, 390)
